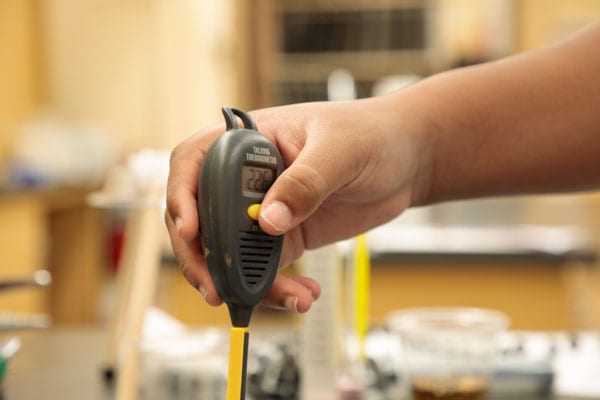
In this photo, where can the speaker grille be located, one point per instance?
(256, 249)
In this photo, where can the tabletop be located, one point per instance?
(65, 364)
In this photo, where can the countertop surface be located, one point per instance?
(53, 364)
(67, 364)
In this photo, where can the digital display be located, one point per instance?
(257, 179)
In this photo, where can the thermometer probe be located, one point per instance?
(242, 260)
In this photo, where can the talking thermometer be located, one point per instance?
(238, 169)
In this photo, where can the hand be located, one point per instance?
(348, 171)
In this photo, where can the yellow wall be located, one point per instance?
(98, 65)
(150, 72)
(18, 93)
(154, 72)
(472, 29)
(541, 21)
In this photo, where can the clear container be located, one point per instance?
(448, 352)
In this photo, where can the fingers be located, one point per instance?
(301, 188)
(182, 187)
(181, 218)
(181, 191)
(296, 194)
(325, 149)
(293, 293)
(192, 263)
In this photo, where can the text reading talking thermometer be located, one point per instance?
(242, 260)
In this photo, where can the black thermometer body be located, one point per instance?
(237, 171)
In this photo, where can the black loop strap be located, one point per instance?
(229, 113)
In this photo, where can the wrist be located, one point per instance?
(417, 125)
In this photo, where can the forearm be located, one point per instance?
(526, 124)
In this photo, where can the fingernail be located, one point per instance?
(178, 224)
(202, 291)
(278, 215)
(291, 303)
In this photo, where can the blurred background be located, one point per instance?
(86, 84)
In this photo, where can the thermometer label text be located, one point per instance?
(261, 158)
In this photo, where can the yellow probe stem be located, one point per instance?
(362, 272)
(238, 355)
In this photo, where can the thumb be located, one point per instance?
(300, 190)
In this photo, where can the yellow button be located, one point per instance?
(253, 210)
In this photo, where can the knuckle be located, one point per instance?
(309, 187)
(171, 196)
(175, 153)
(171, 209)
